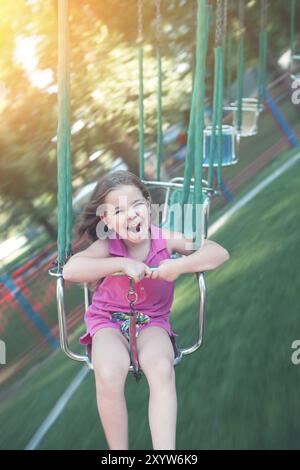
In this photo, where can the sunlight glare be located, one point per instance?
(26, 57)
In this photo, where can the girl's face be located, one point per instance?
(127, 212)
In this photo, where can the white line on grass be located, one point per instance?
(69, 392)
(249, 196)
(57, 409)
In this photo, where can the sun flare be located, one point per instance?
(26, 57)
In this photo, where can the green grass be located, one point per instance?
(17, 327)
(250, 149)
(240, 390)
(282, 158)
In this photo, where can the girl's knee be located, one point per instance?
(111, 375)
(159, 369)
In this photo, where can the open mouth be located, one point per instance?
(135, 228)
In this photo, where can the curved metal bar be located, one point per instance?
(63, 332)
(62, 322)
(176, 182)
(253, 106)
(206, 209)
(87, 296)
(201, 316)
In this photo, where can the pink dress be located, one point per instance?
(155, 297)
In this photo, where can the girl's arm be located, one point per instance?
(92, 264)
(95, 263)
(210, 256)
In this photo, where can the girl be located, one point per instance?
(117, 220)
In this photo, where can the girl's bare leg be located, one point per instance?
(156, 356)
(111, 360)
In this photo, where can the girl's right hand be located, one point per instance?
(135, 269)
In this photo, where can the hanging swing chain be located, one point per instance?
(264, 15)
(140, 37)
(158, 23)
(242, 16)
(219, 24)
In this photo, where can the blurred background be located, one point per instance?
(240, 390)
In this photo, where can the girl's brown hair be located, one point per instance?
(86, 227)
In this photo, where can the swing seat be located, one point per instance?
(228, 150)
(251, 109)
(166, 221)
(180, 219)
(174, 217)
(63, 331)
(295, 67)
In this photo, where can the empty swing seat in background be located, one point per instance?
(180, 219)
(251, 109)
(228, 150)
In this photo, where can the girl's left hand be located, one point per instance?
(167, 270)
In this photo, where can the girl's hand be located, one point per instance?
(168, 270)
(135, 269)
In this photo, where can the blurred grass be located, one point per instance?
(240, 390)
(21, 255)
(282, 158)
(16, 327)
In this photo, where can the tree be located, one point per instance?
(104, 79)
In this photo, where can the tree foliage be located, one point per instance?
(104, 82)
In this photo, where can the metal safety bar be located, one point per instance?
(63, 330)
(248, 106)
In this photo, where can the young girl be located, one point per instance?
(117, 220)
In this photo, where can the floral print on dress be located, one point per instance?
(124, 319)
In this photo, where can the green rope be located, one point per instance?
(190, 151)
(229, 62)
(214, 117)
(197, 94)
(141, 114)
(217, 118)
(64, 179)
(69, 220)
(263, 61)
(240, 84)
(263, 49)
(293, 20)
(159, 116)
(220, 114)
(200, 97)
